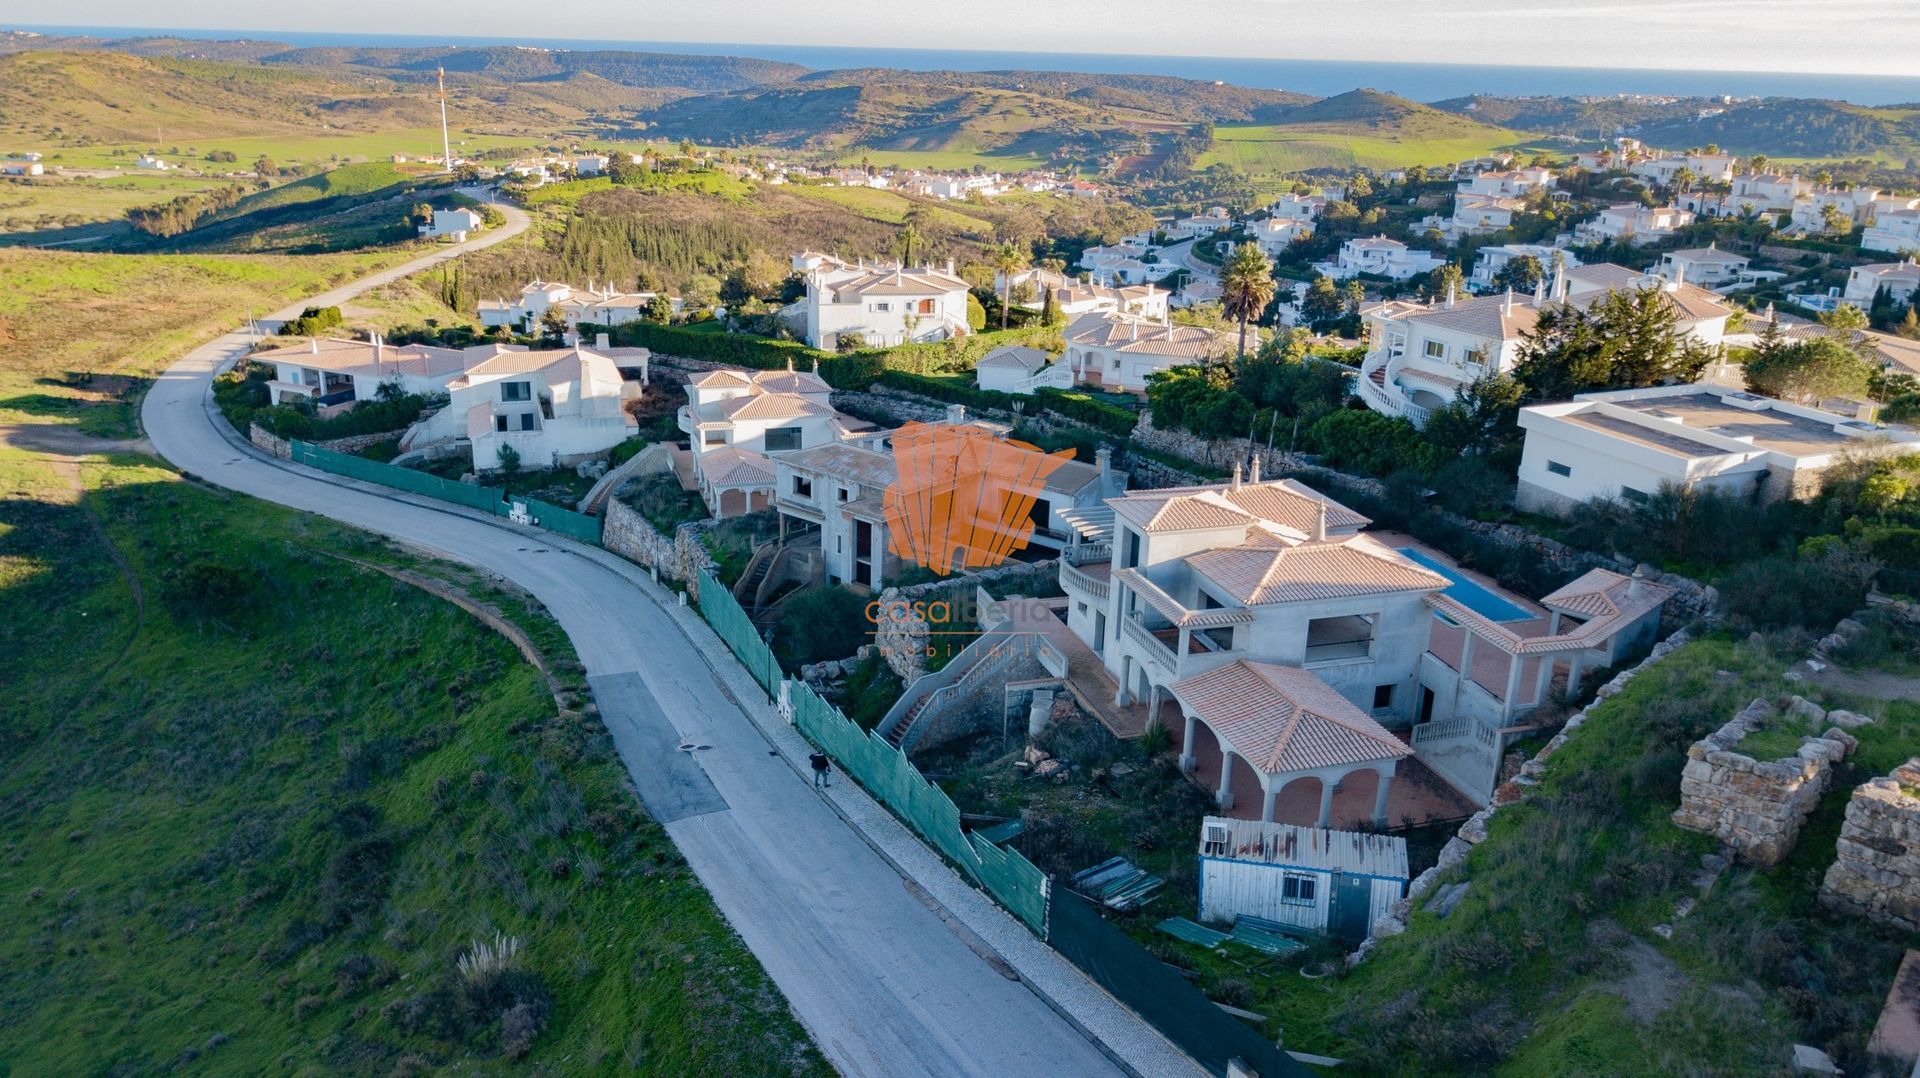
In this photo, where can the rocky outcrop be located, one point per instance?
(1876, 873)
(1757, 807)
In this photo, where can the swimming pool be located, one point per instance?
(1469, 594)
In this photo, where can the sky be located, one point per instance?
(1866, 37)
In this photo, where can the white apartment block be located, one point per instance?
(1381, 257)
(1628, 444)
(1706, 168)
(880, 305)
(1512, 183)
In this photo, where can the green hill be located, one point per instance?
(1360, 128)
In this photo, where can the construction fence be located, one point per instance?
(487, 499)
(1070, 924)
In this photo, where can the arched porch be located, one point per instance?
(1346, 797)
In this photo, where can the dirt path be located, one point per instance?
(1877, 684)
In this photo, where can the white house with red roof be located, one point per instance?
(879, 305)
(553, 408)
(1116, 350)
(738, 420)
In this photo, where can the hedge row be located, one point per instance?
(1109, 418)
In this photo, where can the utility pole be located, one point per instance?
(446, 145)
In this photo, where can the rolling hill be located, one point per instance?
(1775, 126)
(1363, 128)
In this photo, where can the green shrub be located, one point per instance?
(313, 321)
(367, 417)
(821, 624)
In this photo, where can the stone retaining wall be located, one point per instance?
(678, 559)
(1758, 807)
(1876, 873)
(282, 448)
(901, 632)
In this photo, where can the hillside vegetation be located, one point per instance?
(257, 800)
(1362, 128)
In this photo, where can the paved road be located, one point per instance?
(877, 976)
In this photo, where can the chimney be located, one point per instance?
(1540, 291)
(1507, 307)
(1320, 523)
(1236, 475)
(1636, 584)
(1103, 458)
(313, 345)
(790, 364)
(1254, 475)
(949, 267)
(378, 352)
(816, 364)
(601, 342)
(1449, 296)
(956, 413)
(1560, 281)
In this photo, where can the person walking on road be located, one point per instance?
(819, 762)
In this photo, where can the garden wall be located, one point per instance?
(680, 559)
(1757, 807)
(1876, 873)
(282, 448)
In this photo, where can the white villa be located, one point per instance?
(1010, 368)
(1633, 223)
(738, 420)
(554, 408)
(1706, 266)
(1275, 234)
(1901, 280)
(1513, 183)
(1627, 444)
(1421, 355)
(1381, 257)
(1214, 220)
(1706, 168)
(879, 305)
(1283, 644)
(1894, 231)
(452, 225)
(1117, 351)
(334, 373)
(1292, 207)
(1494, 259)
(1126, 264)
(591, 306)
(1475, 215)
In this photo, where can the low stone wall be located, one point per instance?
(282, 448)
(1876, 873)
(1757, 807)
(678, 559)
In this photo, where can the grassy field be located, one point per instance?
(258, 799)
(1268, 148)
(887, 207)
(945, 160)
(49, 202)
(1551, 965)
(69, 315)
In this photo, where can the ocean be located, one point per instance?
(1422, 82)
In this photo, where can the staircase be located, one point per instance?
(986, 657)
(1378, 376)
(899, 732)
(749, 585)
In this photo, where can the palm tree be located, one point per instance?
(1246, 287)
(1008, 259)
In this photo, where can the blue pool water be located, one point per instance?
(1469, 594)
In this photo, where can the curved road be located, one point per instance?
(874, 967)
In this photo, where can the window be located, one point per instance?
(516, 391)
(1382, 697)
(781, 439)
(1558, 468)
(714, 437)
(1435, 350)
(1298, 890)
(846, 493)
(1116, 363)
(526, 421)
(926, 306)
(500, 423)
(883, 307)
(1081, 609)
(1637, 497)
(802, 486)
(1339, 638)
(1477, 357)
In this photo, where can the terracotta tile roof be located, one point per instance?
(1133, 333)
(1602, 596)
(732, 467)
(770, 406)
(1603, 593)
(790, 381)
(721, 378)
(1283, 719)
(1178, 510)
(1359, 565)
(1293, 505)
(1499, 317)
